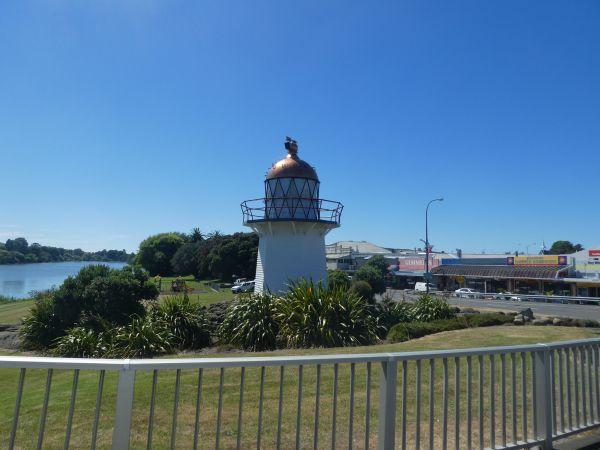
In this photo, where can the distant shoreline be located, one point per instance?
(59, 262)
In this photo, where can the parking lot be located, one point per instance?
(546, 309)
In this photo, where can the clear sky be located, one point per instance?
(119, 119)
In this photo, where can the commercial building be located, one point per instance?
(577, 274)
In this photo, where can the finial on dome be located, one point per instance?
(291, 146)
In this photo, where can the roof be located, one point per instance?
(357, 247)
(536, 272)
(292, 167)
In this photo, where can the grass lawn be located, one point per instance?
(87, 389)
(206, 292)
(13, 312)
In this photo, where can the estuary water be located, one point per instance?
(18, 280)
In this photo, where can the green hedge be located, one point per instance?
(406, 331)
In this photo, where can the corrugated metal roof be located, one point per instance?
(357, 247)
(540, 273)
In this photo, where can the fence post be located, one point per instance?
(122, 426)
(543, 385)
(387, 405)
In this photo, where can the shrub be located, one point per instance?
(42, 326)
(250, 323)
(389, 313)
(312, 315)
(338, 278)
(428, 308)
(373, 276)
(185, 320)
(141, 338)
(406, 331)
(362, 289)
(487, 319)
(81, 342)
(96, 293)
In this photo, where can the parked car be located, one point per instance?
(466, 293)
(239, 281)
(422, 287)
(246, 286)
(507, 296)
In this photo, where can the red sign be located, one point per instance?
(595, 252)
(416, 264)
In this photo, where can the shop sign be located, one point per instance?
(538, 260)
(593, 253)
(416, 264)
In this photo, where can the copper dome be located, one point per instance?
(291, 166)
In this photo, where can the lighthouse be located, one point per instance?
(291, 221)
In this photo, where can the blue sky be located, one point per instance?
(123, 119)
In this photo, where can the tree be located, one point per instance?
(97, 296)
(379, 263)
(338, 278)
(363, 290)
(372, 276)
(185, 259)
(17, 245)
(564, 248)
(232, 255)
(156, 252)
(196, 235)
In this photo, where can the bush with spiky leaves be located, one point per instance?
(42, 326)
(250, 323)
(141, 338)
(314, 315)
(428, 308)
(389, 313)
(186, 321)
(82, 342)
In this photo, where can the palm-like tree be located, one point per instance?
(196, 235)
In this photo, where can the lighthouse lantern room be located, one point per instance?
(291, 221)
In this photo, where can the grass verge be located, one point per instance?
(163, 414)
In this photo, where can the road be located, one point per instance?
(545, 309)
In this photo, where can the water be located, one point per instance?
(19, 280)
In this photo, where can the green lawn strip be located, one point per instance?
(61, 388)
(13, 312)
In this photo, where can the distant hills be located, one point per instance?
(19, 251)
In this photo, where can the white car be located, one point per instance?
(239, 281)
(508, 296)
(246, 286)
(466, 293)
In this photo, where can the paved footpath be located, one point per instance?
(544, 309)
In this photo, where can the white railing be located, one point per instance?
(500, 397)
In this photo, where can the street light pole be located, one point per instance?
(427, 242)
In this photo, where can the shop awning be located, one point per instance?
(525, 272)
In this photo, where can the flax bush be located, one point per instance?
(428, 308)
(250, 323)
(185, 320)
(314, 315)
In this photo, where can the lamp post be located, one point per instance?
(427, 242)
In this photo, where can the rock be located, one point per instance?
(9, 337)
(519, 320)
(541, 322)
(557, 321)
(527, 314)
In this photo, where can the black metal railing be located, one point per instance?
(301, 209)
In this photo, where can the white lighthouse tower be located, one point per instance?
(291, 221)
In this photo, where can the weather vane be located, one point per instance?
(291, 146)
